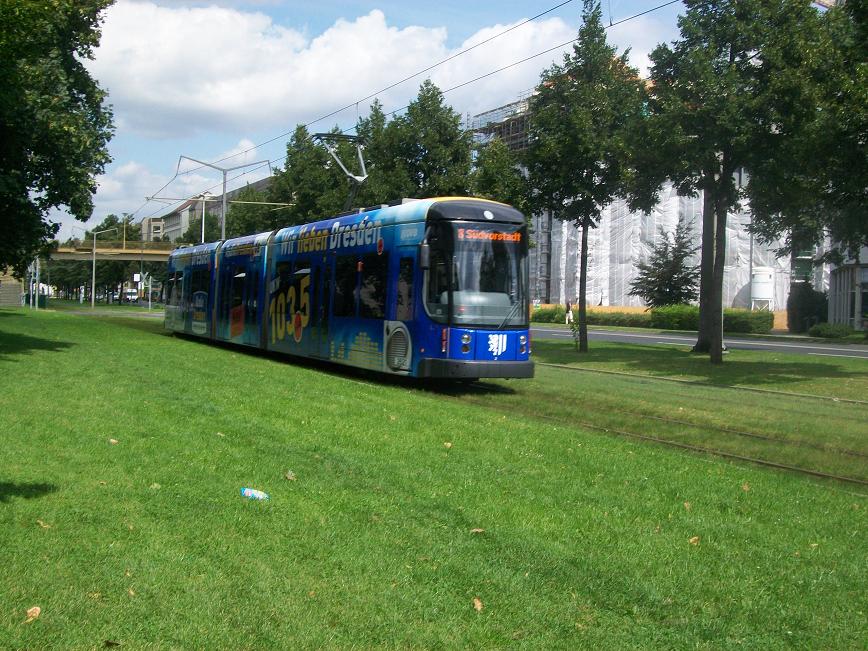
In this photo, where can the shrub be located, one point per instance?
(805, 307)
(549, 315)
(739, 320)
(623, 319)
(830, 330)
(670, 317)
(675, 317)
(686, 317)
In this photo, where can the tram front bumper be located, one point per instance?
(455, 368)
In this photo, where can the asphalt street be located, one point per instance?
(786, 345)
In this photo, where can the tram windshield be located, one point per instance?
(480, 271)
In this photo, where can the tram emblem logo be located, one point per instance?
(496, 344)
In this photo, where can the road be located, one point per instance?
(858, 351)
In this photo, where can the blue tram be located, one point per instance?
(433, 288)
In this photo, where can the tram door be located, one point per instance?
(321, 283)
(238, 302)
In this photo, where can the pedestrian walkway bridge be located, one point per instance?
(108, 250)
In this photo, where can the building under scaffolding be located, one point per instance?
(754, 276)
(509, 123)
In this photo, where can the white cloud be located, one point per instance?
(175, 72)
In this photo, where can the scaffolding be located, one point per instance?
(508, 122)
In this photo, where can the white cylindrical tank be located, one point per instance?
(762, 287)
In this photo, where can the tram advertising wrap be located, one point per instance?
(426, 288)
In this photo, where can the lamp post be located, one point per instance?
(204, 195)
(93, 276)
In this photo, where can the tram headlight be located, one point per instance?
(465, 343)
(522, 340)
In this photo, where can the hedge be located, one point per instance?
(671, 317)
(830, 330)
(626, 319)
(548, 315)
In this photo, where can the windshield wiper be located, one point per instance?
(512, 312)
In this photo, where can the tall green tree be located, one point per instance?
(54, 123)
(825, 191)
(388, 173)
(431, 144)
(422, 153)
(193, 234)
(249, 218)
(578, 158)
(717, 99)
(305, 180)
(498, 176)
(668, 277)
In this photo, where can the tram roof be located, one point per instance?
(415, 210)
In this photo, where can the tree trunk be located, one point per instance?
(547, 238)
(706, 272)
(583, 290)
(716, 352)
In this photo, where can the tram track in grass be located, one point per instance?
(728, 430)
(812, 435)
(696, 448)
(735, 387)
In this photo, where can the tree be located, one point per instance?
(717, 98)
(193, 234)
(388, 174)
(305, 180)
(497, 175)
(432, 146)
(825, 192)
(54, 125)
(247, 219)
(578, 159)
(423, 153)
(667, 278)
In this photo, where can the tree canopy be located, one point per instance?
(497, 175)
(724, 97)
(423, 153)
(578, 158)
(825, 190)
(54, 123)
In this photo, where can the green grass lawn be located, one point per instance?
(530, 529)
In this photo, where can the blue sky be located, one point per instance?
(213, 79)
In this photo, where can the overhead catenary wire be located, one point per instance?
(429, 68)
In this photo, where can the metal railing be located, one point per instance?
(129, 245)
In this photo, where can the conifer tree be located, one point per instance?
(667, 277)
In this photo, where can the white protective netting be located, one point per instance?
(624, 238)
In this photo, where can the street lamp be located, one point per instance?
(93, 277)
(204, 196)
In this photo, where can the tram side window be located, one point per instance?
(284, 272)
(345, 286)
(404, 308)
(252, 286)
(200, 281)
(184, 281)
(438, 283)
(174, 289)
(238, 279)
(372, 291)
